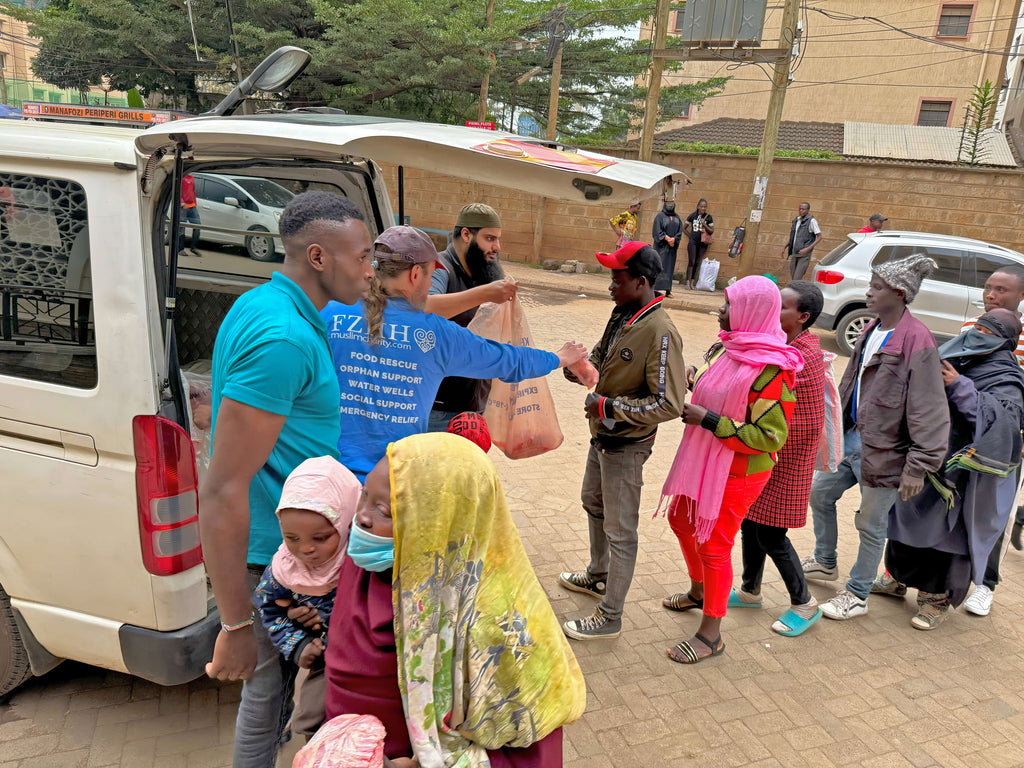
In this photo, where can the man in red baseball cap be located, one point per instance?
(642, 383)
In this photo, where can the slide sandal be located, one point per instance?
(735, 601)
(796, 623)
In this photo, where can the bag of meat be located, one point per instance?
(521, 416)
(585, 373)
(346, 741)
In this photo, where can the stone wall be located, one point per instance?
(977, 203)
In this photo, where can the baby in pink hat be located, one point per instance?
(318, 502)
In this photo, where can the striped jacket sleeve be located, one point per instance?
(769, 410)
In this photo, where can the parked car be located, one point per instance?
(102, 400)
(241, 210)
(949, 296)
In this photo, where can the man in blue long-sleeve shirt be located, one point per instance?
(390, 355)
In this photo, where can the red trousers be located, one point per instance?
(710, 563)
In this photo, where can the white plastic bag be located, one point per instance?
(830, 447)
(708, 275)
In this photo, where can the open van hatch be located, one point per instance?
(488, 157)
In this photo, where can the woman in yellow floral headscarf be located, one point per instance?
(448, 638)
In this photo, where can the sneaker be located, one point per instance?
(931, 612)
(584, 583)
(595, 627)
(887, 585)
(1015, 533)
(845, 605)
(815, 570)
(980, 601)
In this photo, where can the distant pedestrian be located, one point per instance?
(897, 430)
(190, 214)
(874, 224)
(783, 502)
(699, 227)
(625, 224)
(735, 423)
(804, 234)
(667, 231)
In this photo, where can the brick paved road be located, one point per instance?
(872, 692)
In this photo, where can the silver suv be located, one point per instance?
(947, 298)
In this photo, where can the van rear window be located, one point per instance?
(46, 309)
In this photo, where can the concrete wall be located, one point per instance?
(860, 70)
(983, 204)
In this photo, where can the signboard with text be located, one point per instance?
(478, 124)
(95, 113)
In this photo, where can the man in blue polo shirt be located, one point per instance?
(275, 400)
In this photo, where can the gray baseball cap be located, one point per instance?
(407, 244)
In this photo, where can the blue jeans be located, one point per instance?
(872, 519)
(438, 421)
(266, 701)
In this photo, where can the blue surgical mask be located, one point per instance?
(370, 552)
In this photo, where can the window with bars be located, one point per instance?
(934, 113)
(955, 20)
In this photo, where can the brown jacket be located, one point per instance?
(902, 417)
(643, 379)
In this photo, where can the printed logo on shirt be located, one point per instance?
(425, 340)
(626, 354)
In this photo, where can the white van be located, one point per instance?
(99, 544)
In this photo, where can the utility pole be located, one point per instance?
(557, 31)
(485, 82)
(660, 32)
(780, 79)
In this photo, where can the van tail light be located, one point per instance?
(167, 490)
(828, 277)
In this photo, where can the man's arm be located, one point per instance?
(807, 249)
(665, 373)
(927, 417)
(448, 305)
(242, 442)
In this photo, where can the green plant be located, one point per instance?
(733, 149)
(977, 117)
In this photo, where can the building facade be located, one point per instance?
(913, 63)
(18, 82)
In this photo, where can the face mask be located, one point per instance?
(370, 552)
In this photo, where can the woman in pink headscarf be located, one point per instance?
(736, 422)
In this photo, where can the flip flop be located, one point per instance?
(735, 601)
(675, 602)
(690, 656)
(797, 624)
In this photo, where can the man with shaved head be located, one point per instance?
(275, 404)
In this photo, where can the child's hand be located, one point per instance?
(305, 615)
(314, 650)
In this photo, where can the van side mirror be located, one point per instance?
(232, 201)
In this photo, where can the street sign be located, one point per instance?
(89, 113)
(478, 124)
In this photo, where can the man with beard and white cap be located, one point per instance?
(468, 275)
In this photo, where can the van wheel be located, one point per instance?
(850, 327)
(260, 246)
(14, 666)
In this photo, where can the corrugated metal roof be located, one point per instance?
(916, 142)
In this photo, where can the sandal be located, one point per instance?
(690, 656)
(735, 601)
(791, 623)
(675, 602)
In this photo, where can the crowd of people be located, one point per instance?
(358, 540)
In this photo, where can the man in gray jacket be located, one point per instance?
(897, 430)
(804, 234)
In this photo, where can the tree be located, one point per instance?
(977, 117)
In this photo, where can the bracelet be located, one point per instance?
(240, 625)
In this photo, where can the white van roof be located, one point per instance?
(68, 142)
(489, 157)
